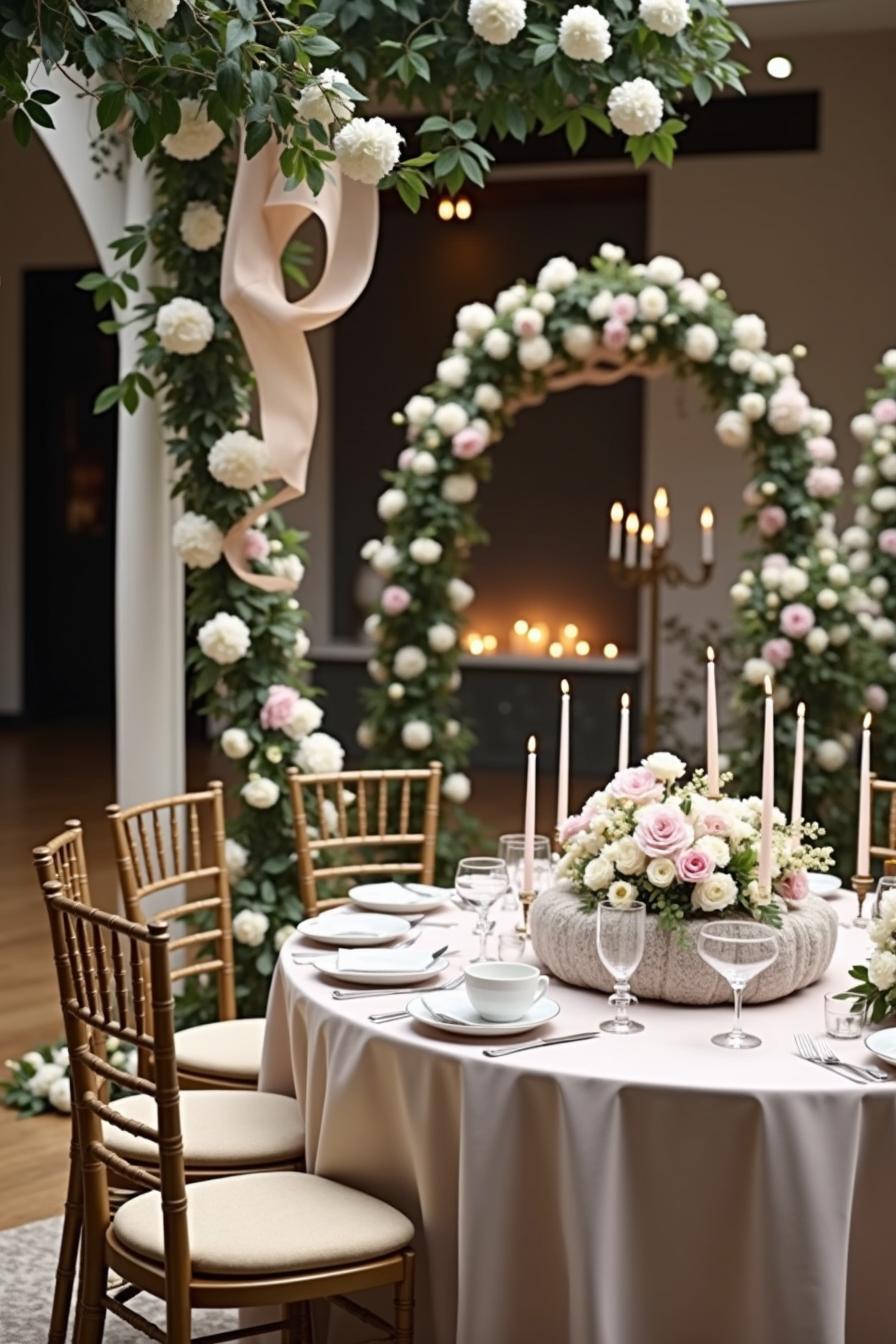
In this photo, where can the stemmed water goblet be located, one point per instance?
(478, 884)
(620, 946)
(511, 848)
(738, 950)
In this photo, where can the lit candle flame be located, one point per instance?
(520, 627)
(632, 525)
(564, 687)
(570, 631)
(555, 649)
(801, 710)
(611, 650)
(530, 746)
(617, 512)
(710, 654)
(866, 722)
(768, 685)
(535, 635)
(583, 648)
(626, 700)
(661, 501)
(707, 518)
(647, 534)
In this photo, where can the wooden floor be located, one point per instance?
(48, 775)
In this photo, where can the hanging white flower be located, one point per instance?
(236, 743)
(416, 734)
(250, 927)
(239, 460)
(497, 343)
(441, 637)
(497, 21)
(560, 272)
(201, 225)
(154, 13)
(578, 340)
(749, 332)
(425, 551)
(456, 787)
(184, 327)
(733, 429)
(196, 137)
(450, 418)
(236, 857)
(419, 410)
(319, 753)
(668, 17)
(307, 716)
(367, 149)
(701, 343)
(460, 594)
(225, 638)
(409, 662)
(487, 397)
(321, 101)
(474, 319)
(664, 270)
(534, 353)
(584, 35)
(197, 540)
(453, 371)
(390, 504)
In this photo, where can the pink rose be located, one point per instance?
(406, 457)
(884, 411)
(279, 708)
(794, 887)
(776, 560)
(615, 334)
(526, 327)
(256, 545)
(752, 496)
(771, 519)
(693, 865)
(395, 599)
(624, 306)
(637, 784)
(663, 831)
(572, 826)
(714, 823)
(468, 443)
(778, 652)
(821, 450)
(887, 541)
(824, 482)
(797, 620)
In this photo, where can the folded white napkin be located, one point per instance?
(382, 959)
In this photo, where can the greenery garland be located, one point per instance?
(794, 605)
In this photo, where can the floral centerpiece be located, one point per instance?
(653, 836)
(875, 986)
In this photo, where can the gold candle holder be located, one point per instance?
(861, 886)
(526, 899)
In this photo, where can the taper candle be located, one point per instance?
(529, 824)
(622, 759)
(768, 793)
(799, 747)
(647, 535)
(563, 756)
(661, 516)
(712, 726)
(617, 513)
(863, 848)
(707, 523)
(632, 528)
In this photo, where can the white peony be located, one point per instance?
(384, 561)
(714, 893)
(739, 594)
(733, 429)
(793, 581)
(487, 397)
(236, 743)
(450, 418)
(441, 637)
(882, 969)
(239, 460)
(652, 303)
(749, 332)
(260, 792)
(390, 504)
(154, 13)
(419, 410)
(661, 873)
(250, 927)
(544, 303)
(457, 787)
(664, 270)
(528, 322)
(460, 594)
(225, 638)
(416, 735)
(409, 662)
(578, 340)
(716, 848)
(830, 754)
(752, 405)
(622, 894)
(627, 858)
(497, 21)
(459, 489)
(701, 343)
(201, 225)
(475, 319)
(197, 540)
(665, 765)
(367, 149)
(59, 1095)
(423, 464)
(863, 427)
(282, 936)
(196, 137)
(184, 327)
(584, 35)
(817, 640)
(321, 101)
(42, 1080)
(497, 343)
(288, 567)
(320, 754)
(534, 353)
(559, 272)
(425, 551)
(598, 874)
(635, 107)
(236, 857)
(755, 671)
(306, 717)
(453, 370)
(668, 17)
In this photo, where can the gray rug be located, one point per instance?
(27, 1270)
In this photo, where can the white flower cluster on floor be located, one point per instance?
(41, 1079)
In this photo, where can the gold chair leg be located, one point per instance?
(404, 1303)
(66, 1265)
(91, 1317)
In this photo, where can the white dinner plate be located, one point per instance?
(883, 1044)
(353, 930)
(329, 966)
(474, 1025)
(825, 884)
(389, 898)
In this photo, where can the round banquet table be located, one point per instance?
(651, 1189)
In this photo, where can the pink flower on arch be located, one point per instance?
(395, 599)
(797, 620)
(406, 457)
(694, 865)
(778, 652)
(884, 411)
(824, 482)
(775, 560)
(821, 450)
(279, 708)
(469, 443)
(624, 307)
(771, 520)
(615, 334)
(256, 545)
(887, 541)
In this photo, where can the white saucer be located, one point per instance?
(474, 1025)
(353, 930)
(883, 1044)
(826, 885)
(328, 966)
(391, 899)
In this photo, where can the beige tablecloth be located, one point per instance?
(645, 1190)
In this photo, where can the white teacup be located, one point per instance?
(502, 991)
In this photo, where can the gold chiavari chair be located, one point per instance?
(885, 788)
(180, 842)
(273, 1239)
(224, 1131)
(383, 815)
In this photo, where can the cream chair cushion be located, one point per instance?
(224, 1049)
(220, 1129)
(278, 1222)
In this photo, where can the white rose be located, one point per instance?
(201, 225)
(260, 792)
(425, 551)
(653, 303)
(385, 560)
(449, 418)
(390, 504)
(250, 927)
(598, 874)
(740, 594)
(752, 405)
(197, 540)
(664, 270)
(528, 322)
(627, 857)
(621, 894)
(497, 343)
(288, 567)
(714, 892)
(693, 296)
(475, 319)
(716, 848)
(154, 13)
(600, 305)
(584, 35)
(488, 398)
(306, 717)
(635, 107)
(668, 17)
(665, 765)
(59, 1095)
(882, 969)
(733, 429)
(321, 101)
(423, 464)
(320, 754)
(283, 935)
(497, 21)
(46, 1075)
(409, 662)
(441, 637)
(661, 873)
(863, 427)
(416, 735)
(749, 332)
(560, 272)
(367, 149)
(238, 460)
(460, 594)
(184, 327)
(419, 410)
(740, 361)
(578, 340)
(236, 743)
(831, 755)
(236, 857)
(196, 137)
(453, 371)
(225, 638)
(534, 353)
(365, 736)
(793, 581)
(701, 343)
(461, 488)
(755, 671)
(456, 788)
(817, 640)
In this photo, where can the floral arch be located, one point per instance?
(795, 603)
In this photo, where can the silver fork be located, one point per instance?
(386, 993)
(403, 1012)
(870, 1071)
(806, 1050)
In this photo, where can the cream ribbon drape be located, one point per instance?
(263, 218)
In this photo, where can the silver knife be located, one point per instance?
(496, 1051)
(842, 1069)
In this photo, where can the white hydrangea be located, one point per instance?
(668, 17)
(497, 343)
(459, 489)
(307, 716)
(497, 21)
(419, 410)
(475, 319)
(441, 637)
(416, 734)
(749, 332)
(196, 137)
(225, 638)
(664, 270)
(197, 540)
(534, 353)
(391, 503)
(453, 371)
(584, 35)
(457, 787)
(425, 551)
(154, 13)
(320, 754)
(201, 225)
(701, 343)
(733, 429)
(184, 327)
(578, 340)
(635, 107)
(367, 149)
(250, 927)
(236, 743)
(409, 662)
(321, 101)
(450, 417)
(239, 460)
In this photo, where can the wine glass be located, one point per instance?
(478, 884)
(739, 951)
(620, 946)
(510, 849)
